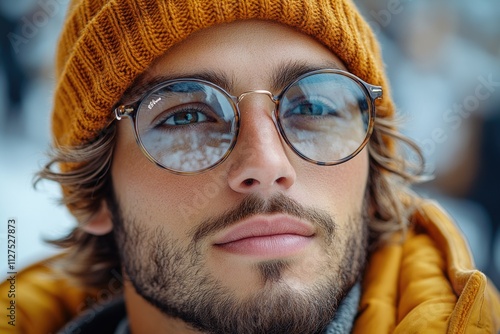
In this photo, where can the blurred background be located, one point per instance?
(443, 62)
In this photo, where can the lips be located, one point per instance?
(266, 236)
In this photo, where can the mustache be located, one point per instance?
(255, 205)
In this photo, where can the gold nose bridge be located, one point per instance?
(256, 91)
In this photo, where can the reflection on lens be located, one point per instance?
(189, 151)
(337, 127)
(189, 127)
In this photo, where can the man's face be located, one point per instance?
(265, 242)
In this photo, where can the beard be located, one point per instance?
(176, 280)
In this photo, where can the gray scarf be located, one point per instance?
(344, 318)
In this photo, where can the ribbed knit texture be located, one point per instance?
(106, 44)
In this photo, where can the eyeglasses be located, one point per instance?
(188, 126)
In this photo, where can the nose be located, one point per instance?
(259, 163)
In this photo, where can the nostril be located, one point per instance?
(281, 180)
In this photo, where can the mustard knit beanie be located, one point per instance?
(106, 44)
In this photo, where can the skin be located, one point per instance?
(261, 165)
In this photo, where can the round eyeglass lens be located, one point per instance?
(187, 126)
(325, 117)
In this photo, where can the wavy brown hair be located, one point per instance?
(90, 259)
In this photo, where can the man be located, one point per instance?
(233, 169)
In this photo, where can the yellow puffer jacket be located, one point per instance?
(426, 284)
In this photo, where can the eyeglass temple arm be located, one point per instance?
(374, 91)
(123, 111)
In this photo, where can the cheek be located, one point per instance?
(155, 197)
(340, 189)
(146, 192)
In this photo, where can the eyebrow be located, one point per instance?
(281, 76)
(285, 73)
(144, 84)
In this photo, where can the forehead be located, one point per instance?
(241, 52)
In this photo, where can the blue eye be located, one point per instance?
(186, 117)
(310, 109)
